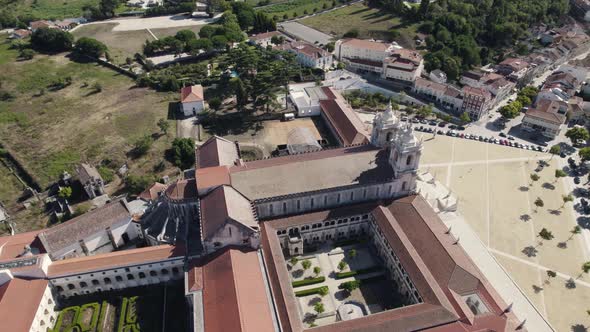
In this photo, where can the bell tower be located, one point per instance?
(404, 157)
(385, 126)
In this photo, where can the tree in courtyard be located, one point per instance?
(65, 192)
(539, 203)
(352, 253)
(550, 274)
(556, 149)
(293, 261)
(185, 35)
(576, 230)
(323, 291)
(465, 119)
(577, 134)
(306, 264)
(424, 111)
(509, 111)
(585, 269)
(559, 174)
(214, 103)
(566, 199)
(342, 265)
(317, 270)
(546, 234)
(277, 40)
(534, 178)
(584, 153)
(349, 286)
(163, 125)
(319, 307)
(183, 152)
(239, 90)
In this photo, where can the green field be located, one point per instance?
(52, 131)
(47, 9)
(370, 22)
(296, 8)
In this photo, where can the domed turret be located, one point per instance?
(385, 126)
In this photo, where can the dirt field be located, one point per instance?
(160, 33)
(121, 44)
(496, 197)
(53, 130)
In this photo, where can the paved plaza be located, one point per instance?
(496, 199)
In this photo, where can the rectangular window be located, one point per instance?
(312, 203)
(298, 204)
(326, 200)
(284, 206)
(352, 195)
(338, 200)
(377, 193)
(270, 207)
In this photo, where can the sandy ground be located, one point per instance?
(160, 22)
(494, 190)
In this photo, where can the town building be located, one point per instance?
(517, 70)
(363, 55)
(476, 102)
(19, 34)
(90, 180)
(308, 55)
(192, 100)
(264, 39)
(403, 65)
(438, 76)
(546, 119)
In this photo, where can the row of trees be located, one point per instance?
(525, 97)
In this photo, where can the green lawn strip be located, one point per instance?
(365, 281)
(309, 281)
(103, 316)
(131, 316)
(95, 314)
(342, 275)
(59, 322)
(122, 314)
(310, 291)
(298, 6)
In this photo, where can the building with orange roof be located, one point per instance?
(192, 100)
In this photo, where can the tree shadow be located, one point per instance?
(341, 295)
(579, 328)
(523, 188)
(530, 251)
(562, 245)
(554, 212)
(537, 289)
(313, 301)
(570, 283)
(525, 217)
(584, 222)
(297, 273)
(549, 186)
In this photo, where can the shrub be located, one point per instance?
(215, 103)
(319, 307)
(65, 192)
(306, 264)
(350, 285)
(103, 313)
(136, 184)
(306, 282)
(106, 173)
(95, 315)
(183, 152)
(142, 145)
(91, 47)
(311, 291)
(51, 40)
(342, 265)
(342, 275)
(26, 53)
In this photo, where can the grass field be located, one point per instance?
(47, 9)
(52, 131)
(160, 33)
(121, 44)
(296, 8)
(370, 22)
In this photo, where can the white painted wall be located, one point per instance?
(193, 108)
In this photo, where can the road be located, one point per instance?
(159, 22)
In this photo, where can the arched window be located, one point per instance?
(389, 136)
(130, 276)
(153, 274)
(409, 160)
(175, 270)
(95, 282)
(119, 278)
(107, 280)
(164, 271)
(404, 185)
(60, 289)
(141, 275)
(83, 284)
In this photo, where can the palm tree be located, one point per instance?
(574, 231)
(559, 174)
(566, 199)
(556, 149)
(534, 177)
(546, 234)
(539, 203)
(585, 269)
(550, 274)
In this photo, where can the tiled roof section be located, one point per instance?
(71, 231)
(405, 55)
(212, 177)
(472, 74)
(305, 48)
(22, 33)
(182, 189)
(192, 93)
(41, 24)
(216, 151)
(265, 35)
(312, 171)
(19, 301)
(547, 110)
(562, 77)
(514, 63)
(234, 294)
(480, 92)
(153, 192)
(368, 44)
(346, 123)
(87, 172)
(430, 85)
(13, 246)
(114, 260)
(224, 204)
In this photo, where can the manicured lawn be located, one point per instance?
(48, 9)
(296, 8)
(52, 131)
(370, 22)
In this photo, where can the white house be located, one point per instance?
(309, 55)
(192, 100)
(360, 54)
(403, 65)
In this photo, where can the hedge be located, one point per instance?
(309, 291)
(341, 275)
(103, 313)
(309, 281)
(95, 314)
(59, 322)
(122, 315)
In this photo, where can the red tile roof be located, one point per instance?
(19, 301)
(182, 189)
(346, 123)
(368, 44)
(190, 94)
(234, 293)
(114, 260)
(222, 205)
(265, 35)
(13, 246)
(153, 192)
(216, 151)
(212, 177)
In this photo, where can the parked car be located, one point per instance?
(511, 138)
(433, 123)
(460, 128)
(577, 180)
(452, 126)
(423, 121)
(502, 135)
(442, 124)
(414, 120)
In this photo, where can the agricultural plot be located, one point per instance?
(296, 8)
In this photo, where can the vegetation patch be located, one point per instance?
(342, 275)
(309, 281)
(311, 291)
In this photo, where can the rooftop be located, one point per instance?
(19, 301)
(311, 171)
(368, 44)
(70, 232)
(13, 246)
(216, 151)
(190, 94)
(225, 204)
